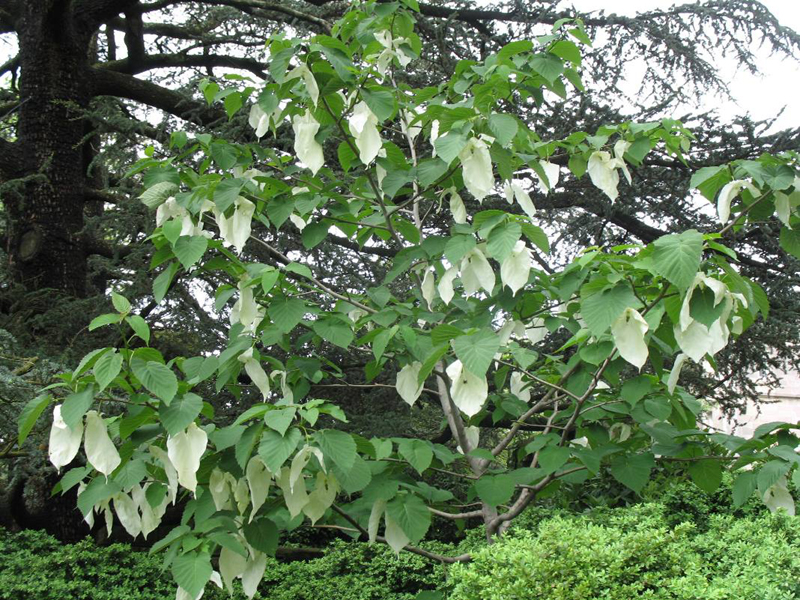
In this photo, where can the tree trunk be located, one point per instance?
(47, 249)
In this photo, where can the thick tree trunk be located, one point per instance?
(47, 249)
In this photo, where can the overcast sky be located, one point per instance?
(761, 97)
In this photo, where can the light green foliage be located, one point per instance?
(633, 553)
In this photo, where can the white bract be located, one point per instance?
(516, 268)
(185, 450)
(406, 383)
(235, 230)
(394, 534)
(513, 190)
(519, 387)
(445, 286)
(628, 332)
(308, 150)
(468, 391)
(428, 288)
(64, 442)
(728, 193)
(552, 172)
(457, 206)
(476, 272)
(246, 310)
(260, 120)
(391, 50)
(304, 73)
(364, 127)
(476, 168)
(100, 450)
(602, 171)
(675, 373)
(255, 372)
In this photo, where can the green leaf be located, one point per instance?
(356, 479)
(158, 193)
(677, 257)
(548, 66)
(107, 368)
(430, 362)
(286, 313)
(504, 127)
(279, 208)
(120, 302)
(502, 240)
(224, 154)
(411, 514)
(140, 327)
(702, 307)
(449, 146)
(96, 491)
(633, 471)
(418, 453)
(262, 535)
(790, 241)
(280, 419)
(334, 331)
(76, 405)
(706, 474)
(710, 180)
(177, 415)
(163, 281)
(457, 246)
(536, 235)
(380, 101)
(430, 170)
(102, 320)
(770, 473)
(192, 571)
(190, 249)
(477, 351)
(601, 309)
(314, 234)
(346, 156)
(131, 474)
(29, 415)
(156, 378)
(275, 448)
(337, 446)
(552, 458)
(226, 193)
(743, 488)
(495, 490)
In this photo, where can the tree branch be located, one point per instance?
(93, 13)
(132, 66)
(110, 83)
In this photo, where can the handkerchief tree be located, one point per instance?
(458, 321)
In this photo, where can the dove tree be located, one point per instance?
(460, 318)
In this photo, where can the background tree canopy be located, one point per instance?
(97, 85)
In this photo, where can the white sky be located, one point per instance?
(762, 97)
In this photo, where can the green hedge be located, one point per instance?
(36, 566)
(635, 553)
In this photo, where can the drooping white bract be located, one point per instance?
(394, 534)
(537, 331)
(169, 470)
(406, 383)
(364, 127)
(185, 449)
(428, 288)
(516, 267)
(231, 566)
(728, 193)
(553, 173)
(696, 339)
(628, 332)
(170, 209)
(319, 501)
(620, 148)
(220, 484)
(602, 171)
(468, 391)
(246, 310)
(260, 120)
(374, 522)
(235, 230)
(295, 496)
(434, 136)
(476, 167)
(457, 206)
(298, 221)
(151, 516)
(300, 461)
(411, 131)
(778, 496)
(519, 387)
(128, 514)
(64, 442)
(445, 286)
(304, 73)
(100, 450)
(675, 373)
(785, 204)
(255, 372)
(308, 150)
(513, 190)
(258, 479)
(253, 573)
(473, 436)
(288, 394)
(476, 272)
(391, 50)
